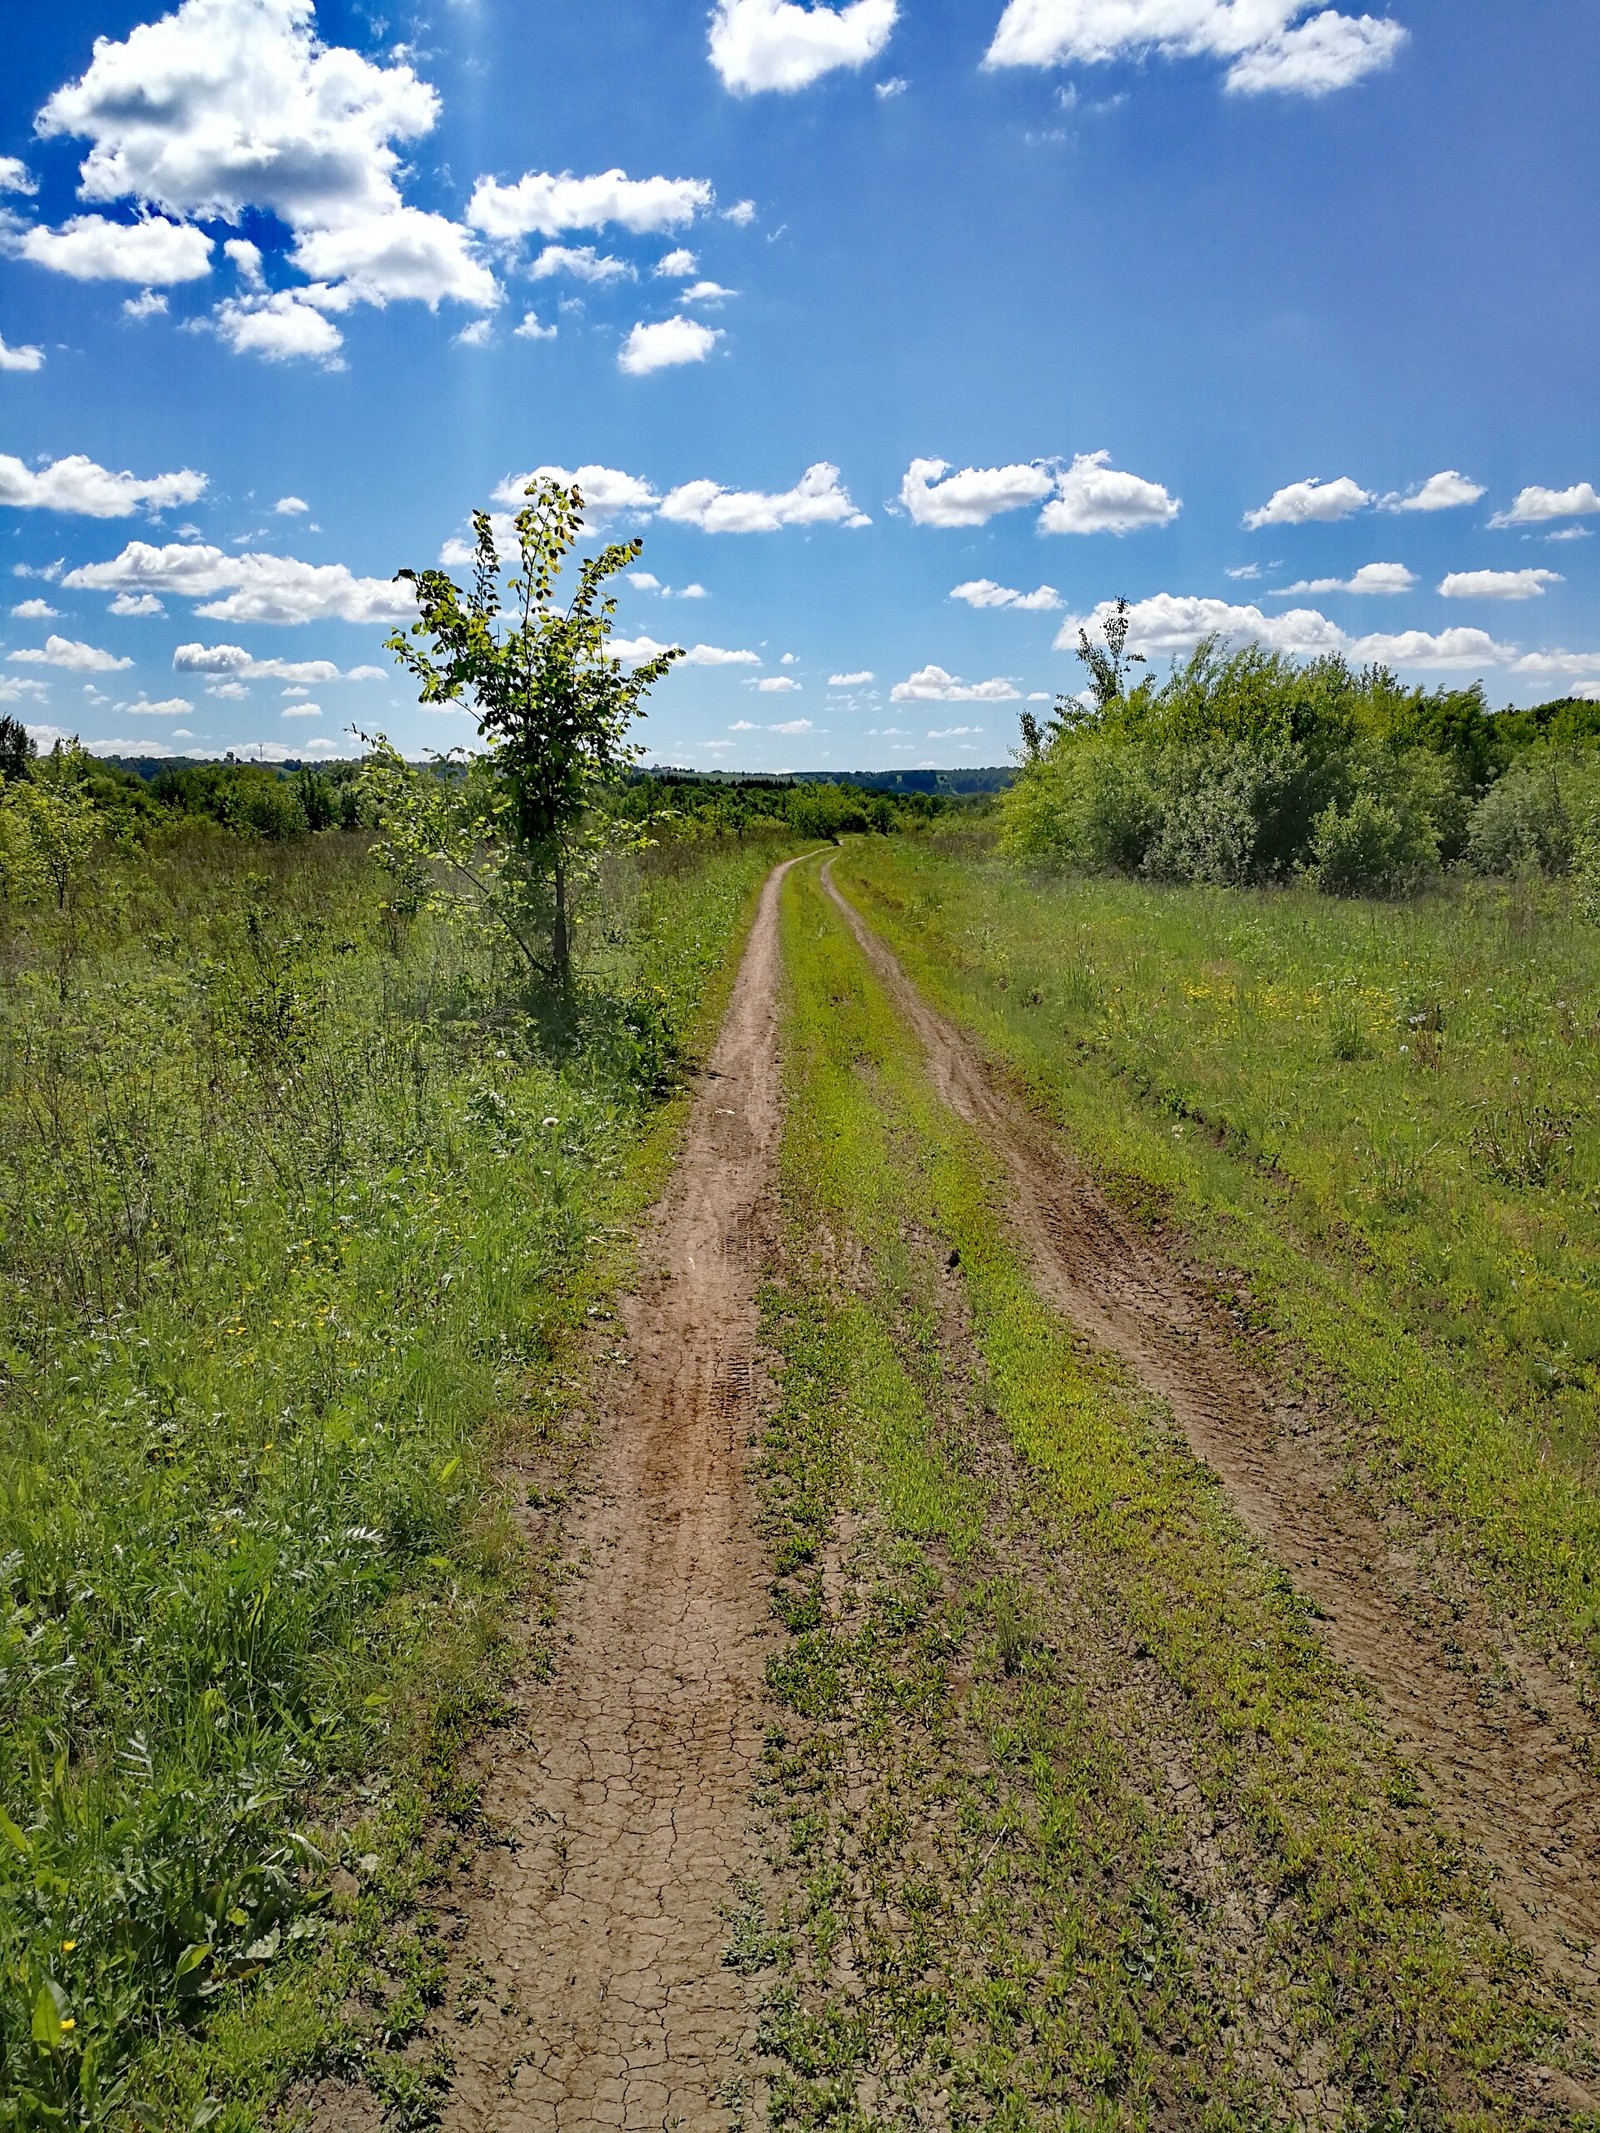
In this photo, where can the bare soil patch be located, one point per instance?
(1502, 1743)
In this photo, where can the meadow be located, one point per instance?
(1371, 1126)
(301, 1211)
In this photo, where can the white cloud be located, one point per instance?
(1329, 52)
(705, 292)
(246, 257)
(291, 507)
(645, 581)
(818, 498)
(950, 733)
(1459, 648)
(477, 335)
(1267, 45)
(27, 357)
(692, 592)
(227, 105)
(936, 497)
(1370, 578)
(678, 265)
(1245, 570)
(664, 344)
(82, 486)
(633, 651)
(89, 248)
(791, 725)
(16, 688)
(741, 214)
(69, 653)
(169, 707)
(149, 303)
(1094, 497)
(607, 492)
(302, 711)
(1498, 584)
(16, 177)
(1314, 502)
(280, 328)
(858, 680)
(777, 685)
(541, 205)
(234, 661)
(773, 44)
(582, 261)
(1535, 506)
(35, 611)
(248, 588)
(744, 725)
(1440, 492)
(984, 592)
(531, 330)
(136, 604)
(932, 685)
(319, 750)
(896, 85)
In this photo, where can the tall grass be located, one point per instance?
(295, 1202)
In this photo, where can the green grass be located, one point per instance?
(1080, 1827)
(300, 1215)
(1380, 1116)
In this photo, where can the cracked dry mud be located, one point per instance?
(591, 1937)
(1500, 1741)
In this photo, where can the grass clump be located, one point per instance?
(299, 1209)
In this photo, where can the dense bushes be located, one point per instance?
(1248, 767)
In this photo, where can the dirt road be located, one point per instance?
(1499, 1739)
(592, 1940)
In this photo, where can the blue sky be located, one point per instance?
(906, 333)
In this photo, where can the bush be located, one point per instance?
(1535, 817)
(1371, 846)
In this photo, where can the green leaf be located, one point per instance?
(448, 1471)
(49, 2014)
(14, 1836)
(192, 1958)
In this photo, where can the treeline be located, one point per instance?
(685, 805)
(1250, 768)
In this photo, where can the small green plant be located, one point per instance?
(1524, 1144)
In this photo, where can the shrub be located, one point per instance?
(1535, 817)
(1370, 846)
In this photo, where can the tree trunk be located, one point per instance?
(560, 945)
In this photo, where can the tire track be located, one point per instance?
(1501, 1743)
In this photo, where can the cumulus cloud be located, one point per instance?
(227, 106)
(1535, 506)
(581, 261)
(818, 498)
(678, 265)
(1498, 584)
(791, 725)
(291, 507)
(1370, 578)
(933, 685)
(1440, 492)
(950, 733)
(75, 657)
(16, 177)
(773, 44)
(1175, 623)
(26, 357)
(149, 303)
(83, 487)
(665, 344)
(90, 248)
(705, 292)
(248, 588)
(1092, 496)
(169, 707)
(136, 604)
(608, 493)
(35, 611)
(541, 205)
(633, 651)
(1268, 45)
(1314, 502)
(531, 330)
(236, 664)
(777, 685)
(934, 496)
(984, 592)
(301, 711)
(279, 328)
(857, 680)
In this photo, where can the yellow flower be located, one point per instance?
(67, 1946)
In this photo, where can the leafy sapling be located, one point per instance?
(517, 827)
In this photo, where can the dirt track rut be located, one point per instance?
(1501, 1742)
(592, 1937)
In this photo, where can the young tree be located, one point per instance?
(16, 749)
(1108, 663)
(554, 705)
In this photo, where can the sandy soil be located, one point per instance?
(590, 1989)
(1500, 1739)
